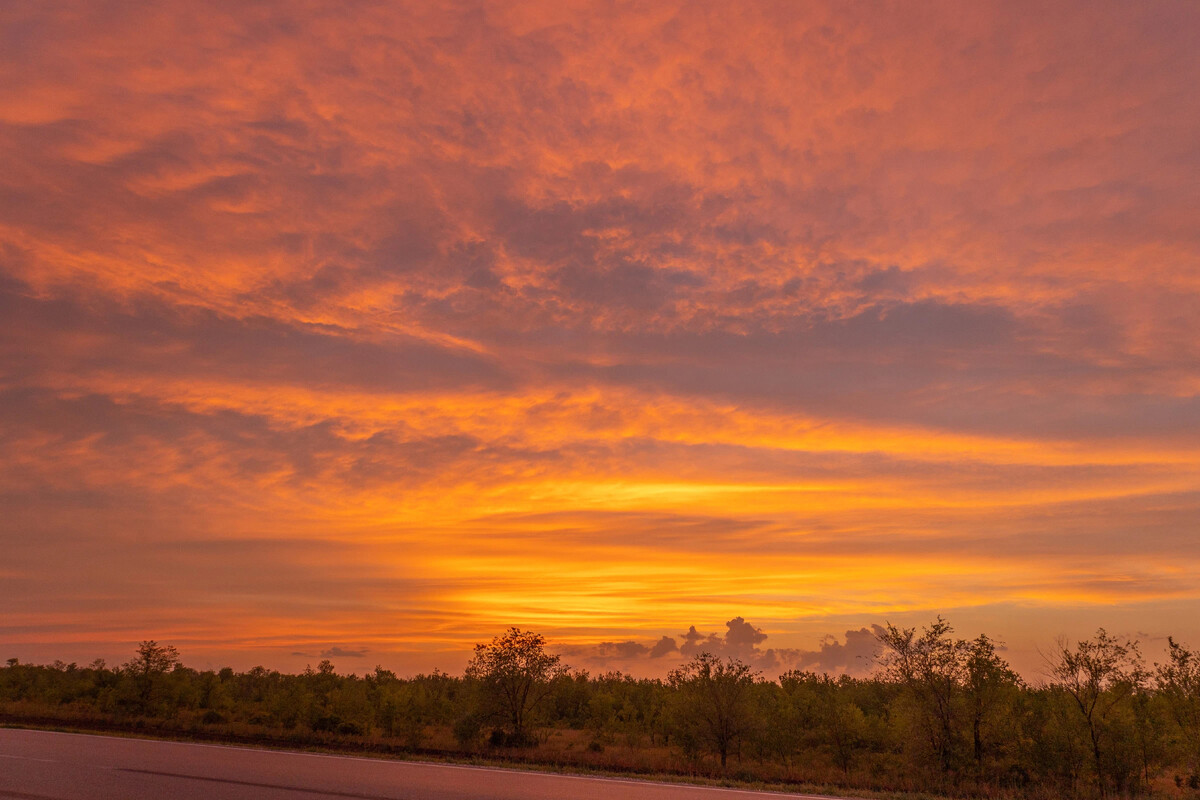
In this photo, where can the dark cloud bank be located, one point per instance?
(854, 654)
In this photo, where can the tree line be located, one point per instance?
(939, 714)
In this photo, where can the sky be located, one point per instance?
(365, 330)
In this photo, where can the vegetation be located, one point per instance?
(516, 673)
(712, 703)
(940, 715)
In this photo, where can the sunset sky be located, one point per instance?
(366, 330)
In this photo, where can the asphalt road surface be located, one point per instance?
(39, 765)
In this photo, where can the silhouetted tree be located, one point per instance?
(989, 682)
(516, 673)
(152, 661)
(153, 658)
(933, 669)
(1100, 675)
(1178, 683)
(714, 695)
(828, 712)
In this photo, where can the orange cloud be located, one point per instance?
(383, 328)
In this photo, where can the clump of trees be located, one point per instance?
(1105, 680)
(153, 661)
(940, 714)
(956, 698)
(1178, 684)
(712, 703)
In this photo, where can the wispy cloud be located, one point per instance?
(342, 652)
(607, 320)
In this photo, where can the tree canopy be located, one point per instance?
(516, 672)
(714, 699)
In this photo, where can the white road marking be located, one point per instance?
(30, 758)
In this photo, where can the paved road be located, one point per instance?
(39, 765)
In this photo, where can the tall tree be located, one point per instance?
(932, 667)
(714, 699)
(1100, 675)
(827, 711)
(153, 660)
(989, 680)
(1178, 682)
(516, 673)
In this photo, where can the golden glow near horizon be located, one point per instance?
(374, 331)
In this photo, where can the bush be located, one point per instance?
(326, 724)
(467, 730)
(502, 738)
